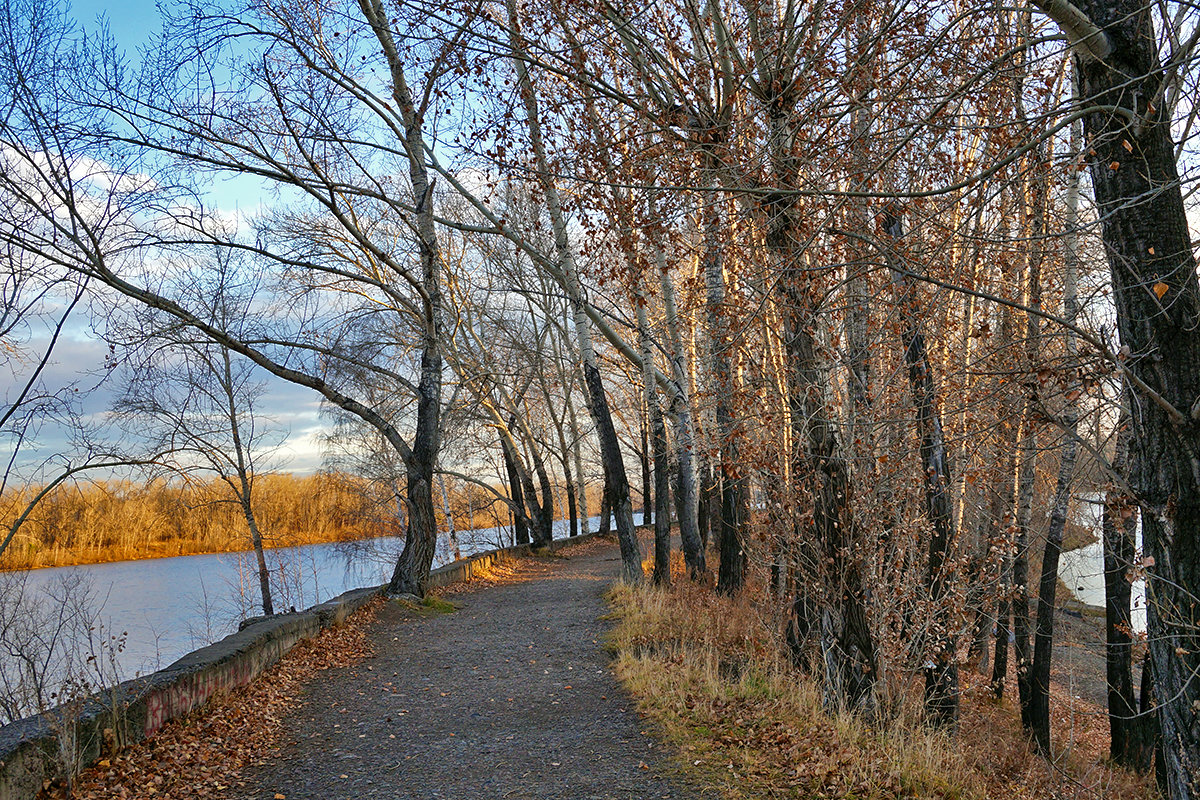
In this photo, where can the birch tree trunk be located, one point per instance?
(728, 479)
(688, 498)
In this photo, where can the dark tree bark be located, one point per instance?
(412, 568)
(1000, 655)
(647, 496)
(543, 511)
(610, 447)
(516, 494)
(1043, 645)
(1131, 741)
(605, 509)
(1020, 562)
(1002, 507)
(704, 510)
(614, 470)
(1157, 298)
(941, 677)
(662, 498)
(572, 508)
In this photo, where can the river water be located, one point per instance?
(161, 609)
(1083, 569)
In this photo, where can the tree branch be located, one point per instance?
(1088, 39)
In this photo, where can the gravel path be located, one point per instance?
(511, 696)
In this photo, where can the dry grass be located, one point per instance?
(708, 670)
(90, 523)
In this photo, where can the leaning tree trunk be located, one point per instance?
(616, 481)
(610, 447)
(515, 492)
(245, 483)
(1157, 296)
(540, 511)
(264, 575)
(543, 530)
(605, 527)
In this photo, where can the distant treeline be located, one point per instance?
(123, 520)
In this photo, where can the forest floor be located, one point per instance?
(505, 688)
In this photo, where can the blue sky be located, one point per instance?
(79, 354)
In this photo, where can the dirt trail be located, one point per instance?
(510, 696)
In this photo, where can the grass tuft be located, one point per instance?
(430, 605)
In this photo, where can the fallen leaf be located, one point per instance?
(1160, 289)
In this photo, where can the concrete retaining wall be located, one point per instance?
(31, 750)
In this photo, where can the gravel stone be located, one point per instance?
(511, 696)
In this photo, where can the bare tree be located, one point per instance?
(200, 402)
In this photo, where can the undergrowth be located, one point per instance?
(709, 672)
